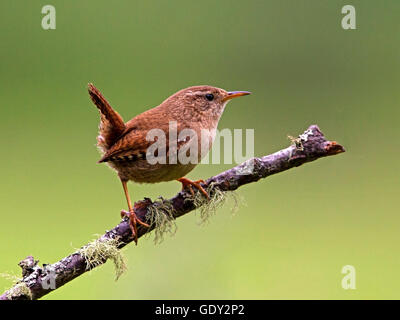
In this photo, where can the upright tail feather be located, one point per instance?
(111, 124)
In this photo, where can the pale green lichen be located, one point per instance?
(10, 277)
(161, 217)
(160, 214)
(297, 142)
(304, 136)
(100, 250)
(217, 198)
(18, 291)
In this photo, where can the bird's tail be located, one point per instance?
(111, 124)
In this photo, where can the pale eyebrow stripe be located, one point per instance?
(195, 93)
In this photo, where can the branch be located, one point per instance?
(309, 146)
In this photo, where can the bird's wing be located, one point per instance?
(132, 143)
(131, 146)
(112, 125)
(137, 138)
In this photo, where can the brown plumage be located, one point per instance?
(125, 145)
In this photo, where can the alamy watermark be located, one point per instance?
(349, 280)
(189, 146)
(349, 20)
(49, 20)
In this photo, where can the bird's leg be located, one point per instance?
(133, 219)
(187, 183)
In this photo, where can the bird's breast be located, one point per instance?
(143, 172)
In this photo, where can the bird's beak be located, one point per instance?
(235, 94)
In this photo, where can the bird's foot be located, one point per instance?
(133, 222)
(189, 184)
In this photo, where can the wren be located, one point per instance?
(125, 146)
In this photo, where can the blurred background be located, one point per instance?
(295, 231)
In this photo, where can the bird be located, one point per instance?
(125, 145)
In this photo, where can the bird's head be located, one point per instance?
(202, 101)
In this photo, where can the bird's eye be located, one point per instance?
(209, 96)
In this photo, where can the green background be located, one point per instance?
(295, 231)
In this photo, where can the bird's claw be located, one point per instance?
(133, 222)
(189, 184)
